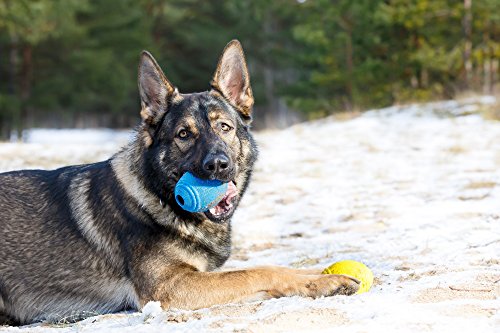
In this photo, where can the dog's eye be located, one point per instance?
(225, 127)
(183, 134)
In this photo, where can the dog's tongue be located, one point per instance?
(231, 192)
(226, 203)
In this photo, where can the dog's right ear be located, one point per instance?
(155, 91)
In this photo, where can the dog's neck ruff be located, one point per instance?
(155, 205)
(131, 183)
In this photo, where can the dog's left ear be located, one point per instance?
(155, 91)
(231, 79)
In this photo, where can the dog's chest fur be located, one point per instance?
(165, 235)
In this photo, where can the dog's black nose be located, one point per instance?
(215, 165)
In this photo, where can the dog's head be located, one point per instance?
(204, 133)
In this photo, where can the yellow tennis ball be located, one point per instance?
(355, 269)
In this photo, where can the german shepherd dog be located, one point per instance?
(109, 236)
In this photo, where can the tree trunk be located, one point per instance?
(14, 117)
(488, 64)
(350, 68)
(26, 72)
(487, 75)
(424, 78)
(467, 27)
(494, 76)
(346, 23)
(13, 61)
(26, 75)
(275, 116)
(2, 116)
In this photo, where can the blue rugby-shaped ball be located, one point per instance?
(198, 195)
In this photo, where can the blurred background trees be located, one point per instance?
(72, 63)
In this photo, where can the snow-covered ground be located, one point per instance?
(413, 192)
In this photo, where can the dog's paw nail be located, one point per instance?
(355, 280)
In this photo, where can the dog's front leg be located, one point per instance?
(300, 271)
(183, 287)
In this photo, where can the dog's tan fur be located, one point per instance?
(184, 287)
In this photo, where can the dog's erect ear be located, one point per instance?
(155, 90)
(232, 80)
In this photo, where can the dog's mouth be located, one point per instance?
(225, 208)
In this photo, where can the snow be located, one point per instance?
(74, 136)
(411, 191)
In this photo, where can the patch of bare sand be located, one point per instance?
(484, 287)
(232, 313)
(319, 319)
(434, 295)
(235, 310)
(469, 310)
(414, 276)
(300, 320)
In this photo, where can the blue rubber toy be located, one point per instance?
(198, 195)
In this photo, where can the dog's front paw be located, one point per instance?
(329, 285)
